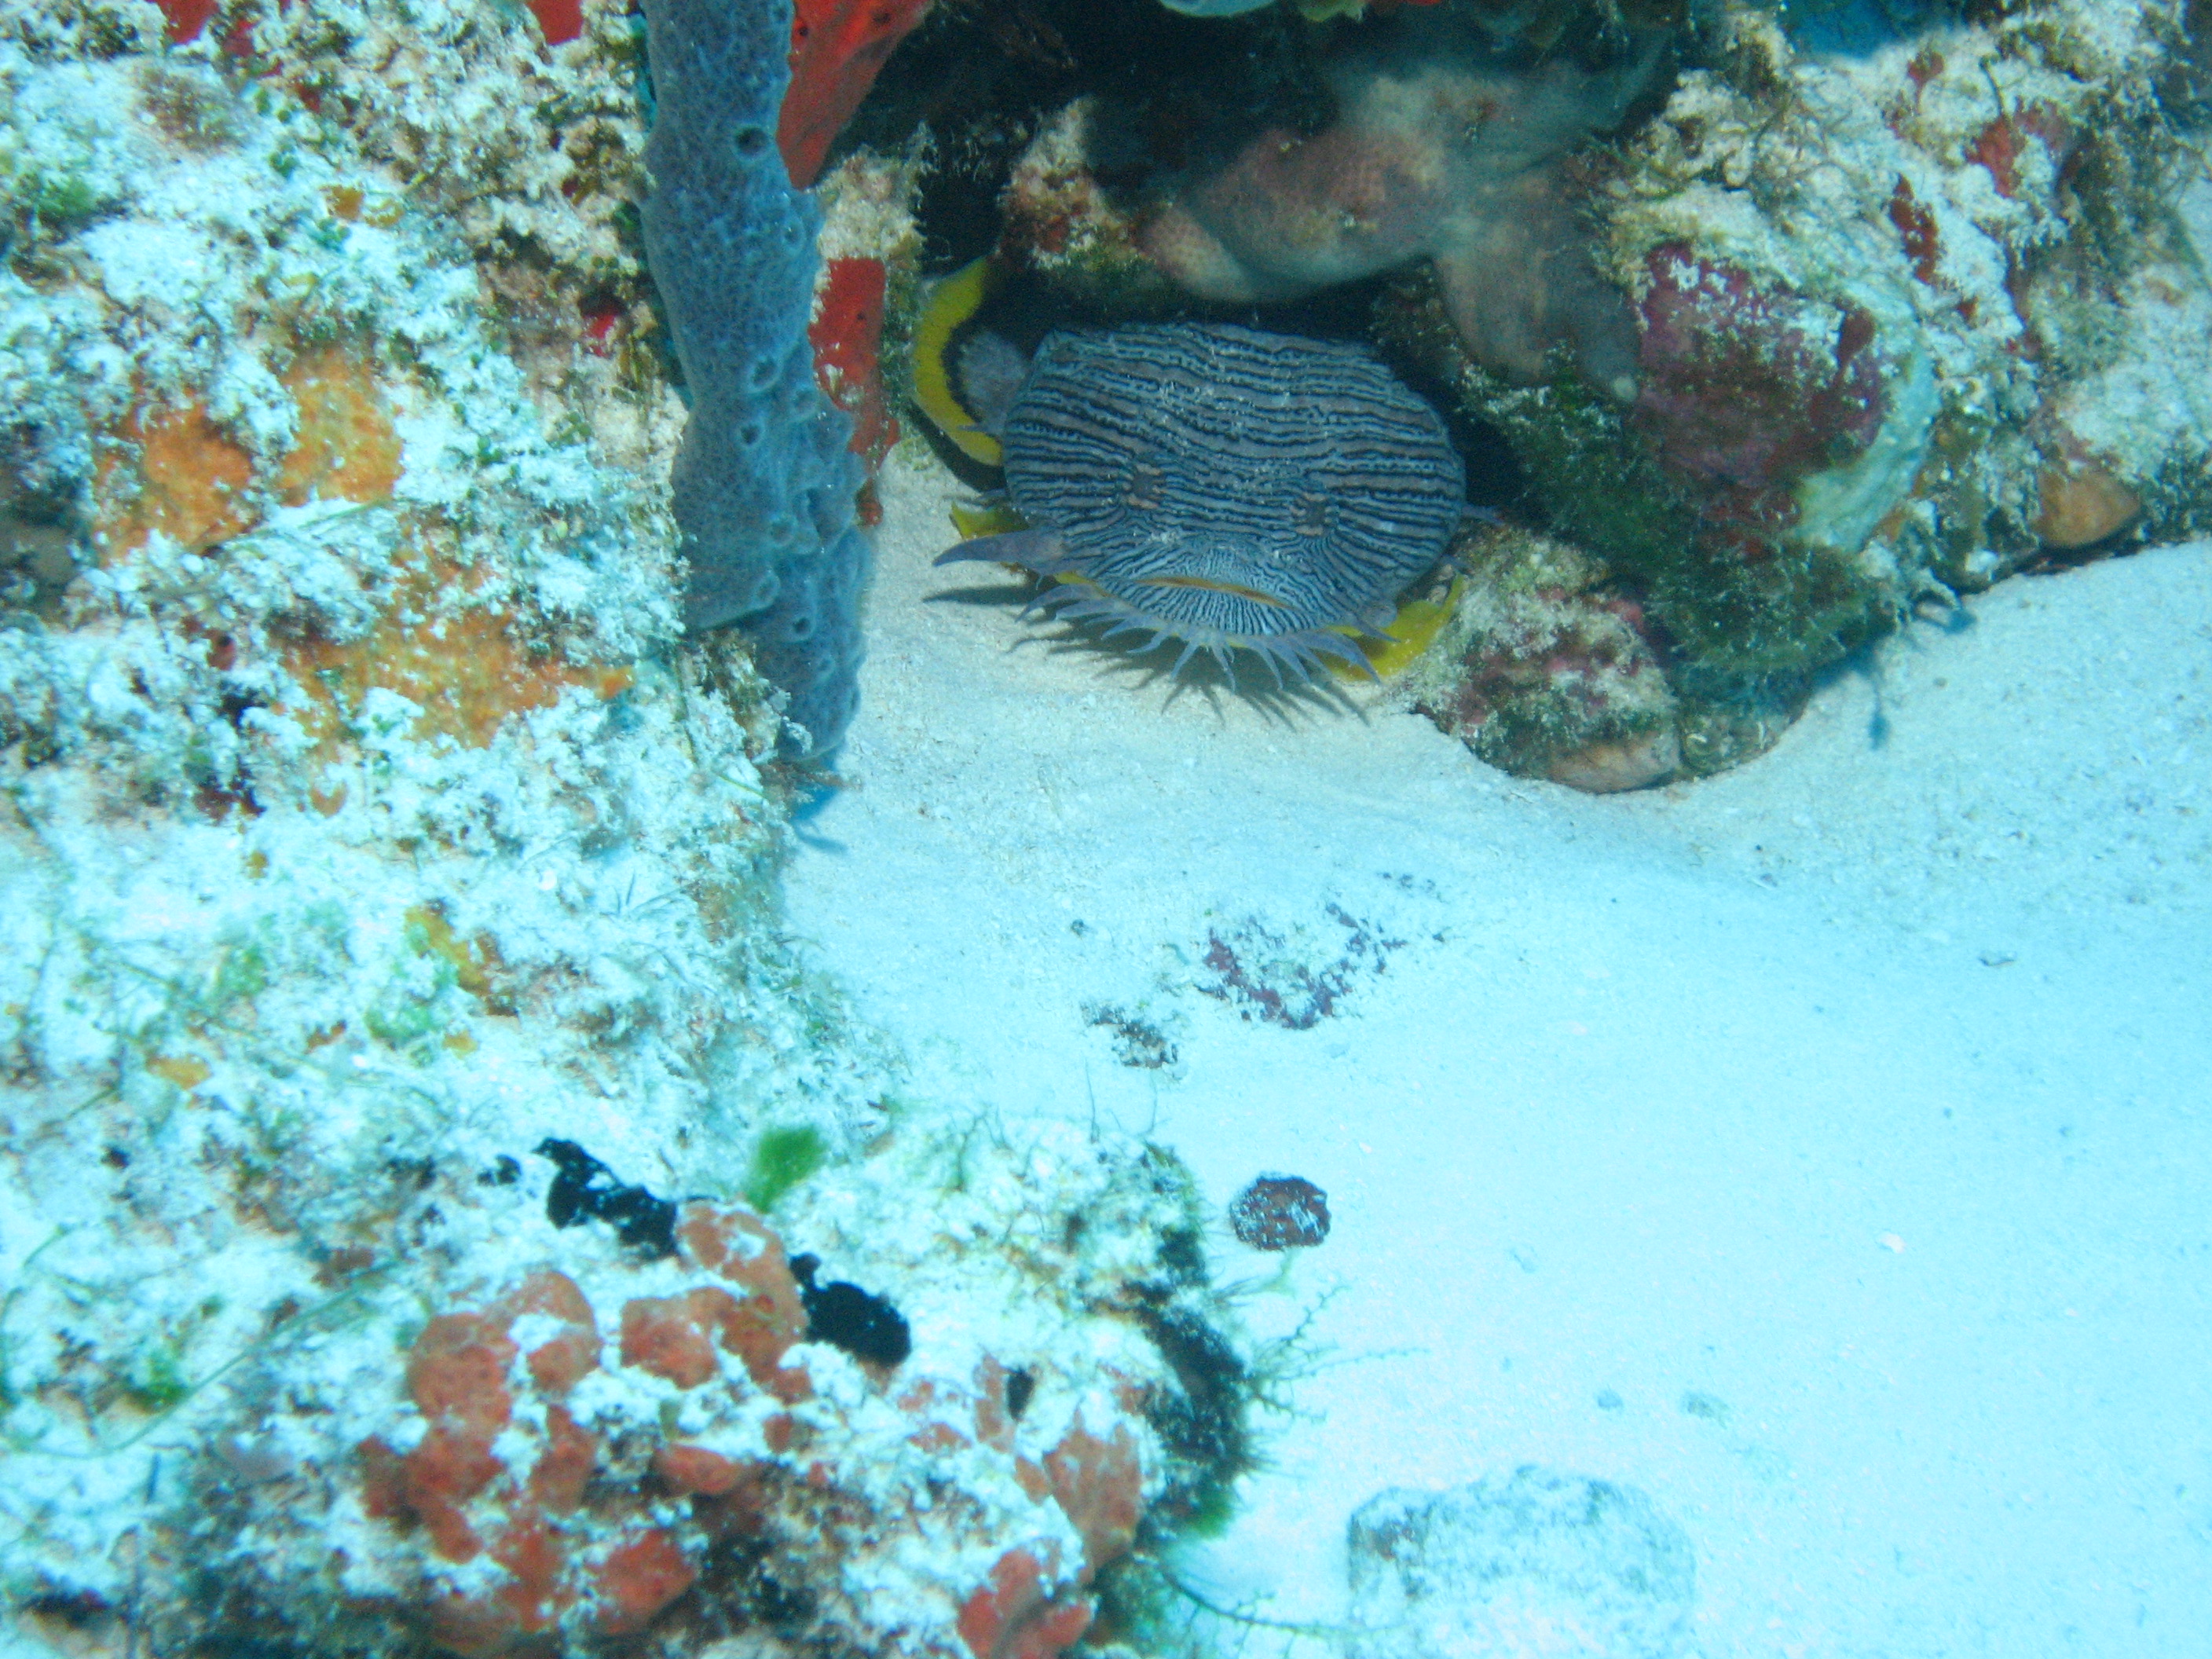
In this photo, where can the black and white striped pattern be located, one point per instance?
(1228, 488)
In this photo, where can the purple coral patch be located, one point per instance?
(1753, 386)
(1270, 978)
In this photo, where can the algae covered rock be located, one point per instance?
(1904, 312)
(1547, 669)
(703, 1434)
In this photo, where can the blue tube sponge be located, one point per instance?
(763, 484)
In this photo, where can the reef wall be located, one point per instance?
(1913, 315)
(1777, 326)
(438, 1212)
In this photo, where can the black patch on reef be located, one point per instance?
(983, 77)
(78, 1609)
(1200, 1421)
(739, 1590)
(503, 1172)
(1183, 1253)
(584, 1189)
(864, 1325)
(1021, 1384)
(1495, 476)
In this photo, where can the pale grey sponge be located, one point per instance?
(763, 484)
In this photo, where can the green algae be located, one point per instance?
(156, 1381)
(782, 1158)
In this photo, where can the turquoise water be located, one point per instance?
(1734, 976)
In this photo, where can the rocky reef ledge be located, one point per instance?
(438, 1211)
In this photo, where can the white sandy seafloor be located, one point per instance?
(1824, 1150)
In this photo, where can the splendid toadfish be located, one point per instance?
(1232, 489)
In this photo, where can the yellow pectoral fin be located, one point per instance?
(1412, 631)
(951, 303)
(975, 522)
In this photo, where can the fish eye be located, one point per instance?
(1313, 513)
(1142, 486)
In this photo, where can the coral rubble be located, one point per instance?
(437, 1210)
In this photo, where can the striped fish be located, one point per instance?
(1228, 488)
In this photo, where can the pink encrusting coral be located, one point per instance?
(1548, 668)
(1755, 400)
(489, 1499)
(1750, 386)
